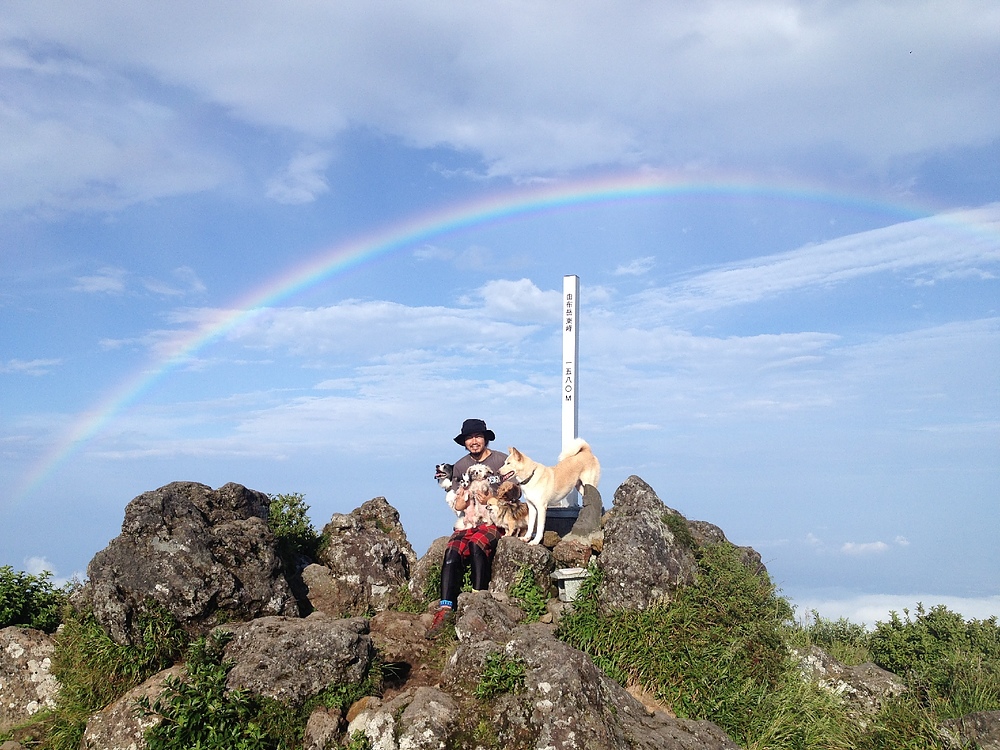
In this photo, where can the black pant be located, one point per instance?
(453, 570)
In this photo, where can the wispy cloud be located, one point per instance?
(29, 367)
(928, 246)
(105, 281)
(637, 267)
(184, 281)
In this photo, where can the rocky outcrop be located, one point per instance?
(643, 560)
(562, 701)
(27, 684)
(863, 689)
(205, 556)
(368, 558)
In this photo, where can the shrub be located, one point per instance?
(288, 518)
(199, 712)
(953, 666)
(30, 600)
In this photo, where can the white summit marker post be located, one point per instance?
(570, 384)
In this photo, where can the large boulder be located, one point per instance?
(27, 684)
(369, 561)
(293, 660)
(644, 558)
(205, 556)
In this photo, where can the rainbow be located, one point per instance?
(408, 233)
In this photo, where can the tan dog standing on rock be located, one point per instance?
(542, 485)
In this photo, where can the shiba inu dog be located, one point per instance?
(542, 485)
(507, 511)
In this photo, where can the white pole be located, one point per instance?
(570, 382)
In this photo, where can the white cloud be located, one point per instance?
(520, 300)
(930, 246)
(185, 281)
(80, 136)
(302, 180)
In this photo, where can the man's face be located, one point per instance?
(475, 444)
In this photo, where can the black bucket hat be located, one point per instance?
(474, 427)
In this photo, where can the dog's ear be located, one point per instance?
(514, 452)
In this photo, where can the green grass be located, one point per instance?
(502, 674)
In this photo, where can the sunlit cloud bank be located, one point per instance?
(870, 609)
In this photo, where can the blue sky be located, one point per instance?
(294, 245)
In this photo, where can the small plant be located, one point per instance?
(528, 594)
(30, 601)
(678, 526)
(358, 741)
(502, 674)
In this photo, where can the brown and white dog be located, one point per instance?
(507, 511)
(542, 485)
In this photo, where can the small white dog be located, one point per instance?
(477, 492)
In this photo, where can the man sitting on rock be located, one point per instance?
(475, 545)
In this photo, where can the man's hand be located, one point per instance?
(461, 501)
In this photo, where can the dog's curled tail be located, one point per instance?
(575, 446)
(591, 473)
